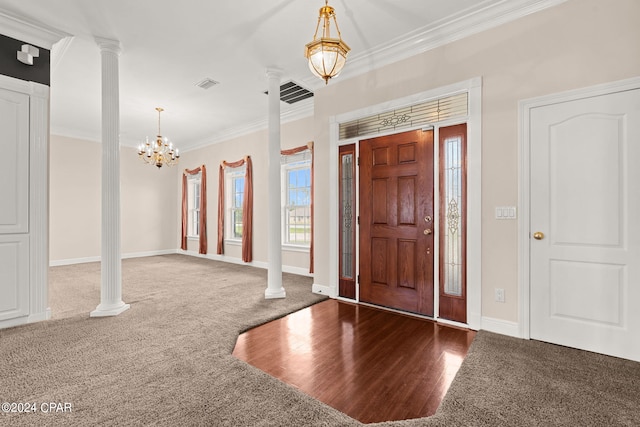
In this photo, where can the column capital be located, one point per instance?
(274, 72)
(109, 45)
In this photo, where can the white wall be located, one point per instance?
(578, 43)
(147, 203)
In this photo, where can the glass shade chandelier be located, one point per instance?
(326, 55)
(160, 151)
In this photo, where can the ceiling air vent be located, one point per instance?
(292, 92)
(207, 83)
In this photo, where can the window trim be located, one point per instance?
(230, 176)
(194, 183)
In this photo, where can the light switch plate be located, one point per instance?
(506, 212)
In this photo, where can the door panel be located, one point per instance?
(396, 195)
(14, 276)
(585, 198)
(14, 162)
(14, 205)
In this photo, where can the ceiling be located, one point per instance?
(169, 46)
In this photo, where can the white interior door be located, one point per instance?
(14, 204)
(585, 200)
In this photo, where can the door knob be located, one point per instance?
(427, 231)
(538, 235)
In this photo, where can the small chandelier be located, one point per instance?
(326, 55)
(159, 152)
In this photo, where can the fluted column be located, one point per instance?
(111, 303)
(274, 232)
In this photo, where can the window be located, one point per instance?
(193, 205)
(347, 225)
(235, 197)
(296, 198)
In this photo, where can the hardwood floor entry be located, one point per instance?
(371, 364)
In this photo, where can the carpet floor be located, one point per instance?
(167, 361)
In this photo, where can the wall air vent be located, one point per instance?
(292, 92)
(207, 83)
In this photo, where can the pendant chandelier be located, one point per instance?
(159, 152)
(326, 55)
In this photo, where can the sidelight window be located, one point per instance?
(347, 200)
(452, 211)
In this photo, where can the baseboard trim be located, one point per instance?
(453, 323)
(71, 261)
(16, 321)
(39, 317)
(321, 289)
(258, 264)
(499, 326)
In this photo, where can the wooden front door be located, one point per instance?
(396, 221)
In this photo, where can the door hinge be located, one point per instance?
(358, 220)
(358, 278)
(358, 161)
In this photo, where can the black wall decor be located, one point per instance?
(39, 72)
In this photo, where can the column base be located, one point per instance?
(105, 310)
(274, 293)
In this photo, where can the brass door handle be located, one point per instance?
(538, 235)
(427, 231)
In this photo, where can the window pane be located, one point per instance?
(346, 227)
(196, 223)
(196, 195)
(193, 205)
(234, 197)
(452, 218)
(237, 223)
(296, 213)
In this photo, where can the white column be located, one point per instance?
(111, 303)
(39, 203)
(274, 233)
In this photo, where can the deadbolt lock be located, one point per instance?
(428, 218)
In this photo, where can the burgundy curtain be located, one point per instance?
(297, 150)
(247, 214)
(221, 209)
(183, 238)
(202, 247)
(247, 208)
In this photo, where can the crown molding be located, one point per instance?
(76, 134)
(290, 115)
(31, 32)
(58, 50)
(231, 133)
(476, 19)
(464, 24)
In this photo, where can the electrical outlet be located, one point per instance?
(499, 295)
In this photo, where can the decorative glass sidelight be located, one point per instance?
(346, 208)
(347, 221)
(453, 234)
